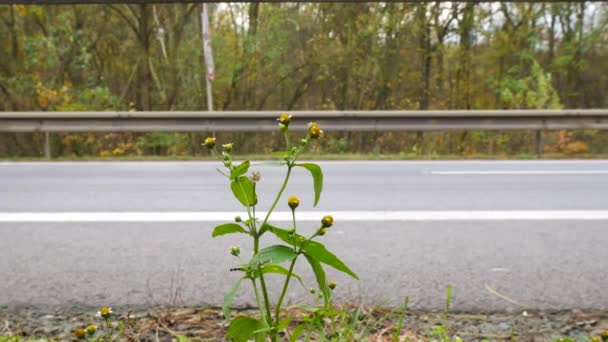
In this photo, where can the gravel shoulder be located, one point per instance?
(375, 324)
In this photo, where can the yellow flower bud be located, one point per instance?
(235, 250)
(209, 142)
(79, 333)
(227, 147)
(332, 285)
(91, 329)
(293, 202)
(238, 219)
(284, 119)
(327, 221)
(314, 130)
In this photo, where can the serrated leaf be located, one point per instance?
(228, 228)
(313, 248)
(284, 234)
(240, 170)
(229, 297)
(317, 177)
(272, 255)
(243, 328)
(319, 252)
(320, 276)
(243, 190)
(280, 270)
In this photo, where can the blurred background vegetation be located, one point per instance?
(291, 56)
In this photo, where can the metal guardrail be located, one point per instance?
(347, 120)
(333, 120)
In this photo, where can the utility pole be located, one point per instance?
(208, 55)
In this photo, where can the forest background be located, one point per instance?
(307, 56)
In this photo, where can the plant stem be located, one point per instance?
(265, 293)
(276, 200)
(293, 215)
(257, 299)
(285, 286)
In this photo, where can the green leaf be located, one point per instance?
(317, 177)
(243, 328)
(284, 234)
(228, 228)
(320, 253)
(297, 332)
(240, 170)
(280, 270)
(284, 323)
(313, 248)
(229, 297)
(242, 188)
(320, 275)
(272, 255)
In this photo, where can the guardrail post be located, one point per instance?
(539, 144)
(47, 145)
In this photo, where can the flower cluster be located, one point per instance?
(90, 330)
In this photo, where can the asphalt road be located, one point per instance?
(506, 235)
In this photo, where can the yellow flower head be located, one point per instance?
(91, 329)
(327, 221)
(314, 130)
(79, 333)
(332, 284)
(293, 202)
(209, 142)
(284, 119)
(105, 312)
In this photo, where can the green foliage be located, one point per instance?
(229, 298)
(243, 328)
(228, 228)
(240, 170)
(268, 260)
(243, 190)
(317, 176)
(272, 255)
(323, 56)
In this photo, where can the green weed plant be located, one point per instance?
(273, 259)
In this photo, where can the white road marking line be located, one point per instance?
(524, 172)
(313, 216)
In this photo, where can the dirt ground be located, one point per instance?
(372, 324)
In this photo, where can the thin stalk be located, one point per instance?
(285, 286)
(276, 200)
(265, 293)
(257, 299)
(293, 215)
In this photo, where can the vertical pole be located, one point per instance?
(209, 95)
(47, 145)
(539, 144)
(207, 54)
